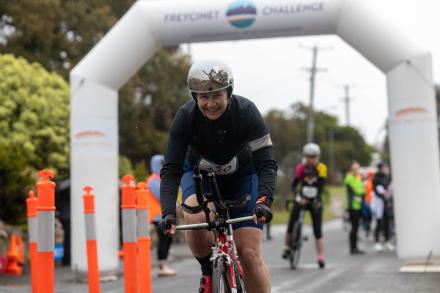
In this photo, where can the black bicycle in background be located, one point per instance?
(227, 272)
(297, 239)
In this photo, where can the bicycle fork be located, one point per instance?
(225, 248)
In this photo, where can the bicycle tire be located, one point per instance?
(296, 244)
(220, 279)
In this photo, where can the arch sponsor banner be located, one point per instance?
(202, 21)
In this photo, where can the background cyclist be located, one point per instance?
(310, 176)
(224, 133)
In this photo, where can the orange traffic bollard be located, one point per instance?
(46, 232)
(20, 251)
(13, 267)
(92, 249)
(31, 207)
(128, 205)
(144, 240)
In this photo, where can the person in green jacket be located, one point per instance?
(355, 194)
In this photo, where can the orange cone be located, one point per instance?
(20, 251)
(13, 267)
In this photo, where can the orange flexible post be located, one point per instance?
(128, 206)
(144, 240)
(31, 211)
(92, 249)
(46, 232)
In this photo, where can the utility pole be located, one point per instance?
(313, 70)
(347, 100)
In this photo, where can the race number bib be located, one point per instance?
(225, 169)
(309, 191)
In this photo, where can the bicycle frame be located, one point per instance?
(224, 245)
(297, 239)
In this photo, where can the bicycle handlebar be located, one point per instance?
(201, 226)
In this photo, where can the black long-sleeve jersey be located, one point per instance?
(229, 146)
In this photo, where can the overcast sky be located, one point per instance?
(269, 71)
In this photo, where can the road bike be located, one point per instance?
(297, 239)
(227, 274)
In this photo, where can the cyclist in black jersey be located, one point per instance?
(222, 133)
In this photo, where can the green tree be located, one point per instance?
(148, 103)
(56, 33)
(125, 167)
(140, 171)
(14, 182)
(349, 146)
(288, 132)
(34, 123)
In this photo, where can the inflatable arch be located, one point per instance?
(149, 25)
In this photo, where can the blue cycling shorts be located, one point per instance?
(231, 187)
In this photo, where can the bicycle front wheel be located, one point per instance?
(220, 279)
(296, 245)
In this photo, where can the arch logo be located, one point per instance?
(241, 13)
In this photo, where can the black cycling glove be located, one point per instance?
(262, 208)
(166, 223)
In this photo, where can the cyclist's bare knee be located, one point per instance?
(249, 256)
(249, 246)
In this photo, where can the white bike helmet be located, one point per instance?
(311, 149)
(210, 76)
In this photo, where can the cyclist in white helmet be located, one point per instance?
(310, 177)
(223, 133)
